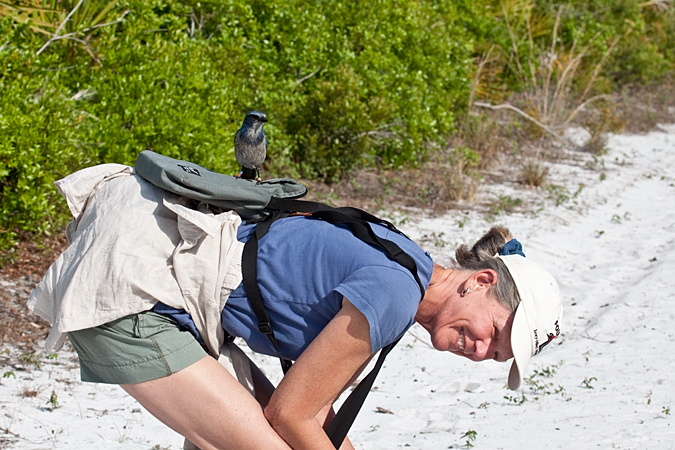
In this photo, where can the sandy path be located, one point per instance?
(613, 254)
(611, 383)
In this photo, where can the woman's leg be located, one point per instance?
(205, 403)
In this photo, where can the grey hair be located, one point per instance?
(482, 256)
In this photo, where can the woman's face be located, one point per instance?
(475, 326)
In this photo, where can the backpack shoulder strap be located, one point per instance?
(249, 268)
(359, 222)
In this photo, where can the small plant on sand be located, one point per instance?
(53, 401)
(598, 122)
(515, 399)
(123, 434)
(539, 385)
(462, 176)
(557, 193)
(548, 371)
(534, 174)
(436, 238)
(470, 437)
(587, 382)
(33, 359)
(37, 359)
(666, 410)
(504, 203)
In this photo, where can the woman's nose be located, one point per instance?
(482, 348)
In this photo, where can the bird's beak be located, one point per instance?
(263, 119)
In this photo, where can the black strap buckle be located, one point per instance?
(265, 327)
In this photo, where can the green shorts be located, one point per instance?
(135, 348)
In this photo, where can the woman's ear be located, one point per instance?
(484, 279)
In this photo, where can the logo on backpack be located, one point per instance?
(190, 170)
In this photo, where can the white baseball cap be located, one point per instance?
(537, 319)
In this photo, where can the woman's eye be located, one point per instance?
(496, 333)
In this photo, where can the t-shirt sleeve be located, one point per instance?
(387, 296)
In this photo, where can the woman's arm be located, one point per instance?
(264, 390)
(323, 371)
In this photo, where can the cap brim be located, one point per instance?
(521, 346)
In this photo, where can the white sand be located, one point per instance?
(611, 383)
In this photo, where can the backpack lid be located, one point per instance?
(245, 197)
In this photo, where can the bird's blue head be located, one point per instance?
(255, 118)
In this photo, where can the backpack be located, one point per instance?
(264, 203)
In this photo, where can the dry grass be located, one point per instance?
(28, 392)
(547, 75)
(643, 107)
(534, 173)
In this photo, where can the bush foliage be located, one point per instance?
(344, 84)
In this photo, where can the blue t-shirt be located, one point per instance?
(305, 267)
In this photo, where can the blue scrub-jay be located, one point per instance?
(250, 145)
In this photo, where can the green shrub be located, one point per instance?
(39, 128)
(343, 84)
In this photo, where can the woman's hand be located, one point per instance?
(297, 410)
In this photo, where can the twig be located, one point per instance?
(547, 82)
(580, 107)
(83, 94)
(383, 134)
(513, 42)
(522, 113)
(661, 5)
(7, 431)
(118, 20)
(58, 30)
(567, 76)
(600, 64)
(476, 78)
(307, 77)
(421, 340)
(563, 83)
(84, 43)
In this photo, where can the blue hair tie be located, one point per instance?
(513, 247)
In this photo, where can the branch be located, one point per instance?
(580, 107)
(70, 35)
(118, 20)
(307, 77)
(600, 64)
(522, 113)
(58, 30)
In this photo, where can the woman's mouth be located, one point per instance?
(460, 340)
